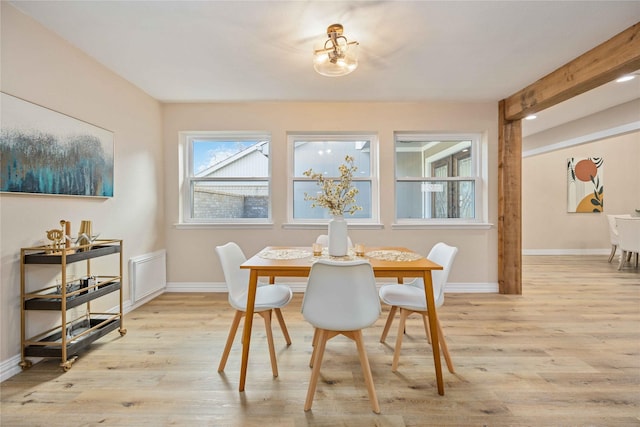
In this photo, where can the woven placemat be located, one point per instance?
(284, 254)
(393, 255)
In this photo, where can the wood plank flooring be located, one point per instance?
(565, 353)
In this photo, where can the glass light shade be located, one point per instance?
(334, 63)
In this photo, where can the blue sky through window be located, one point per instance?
(207, 153)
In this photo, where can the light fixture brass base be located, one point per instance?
(335, 28)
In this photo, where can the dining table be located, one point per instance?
(387, 262)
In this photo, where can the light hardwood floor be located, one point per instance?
(565, 353)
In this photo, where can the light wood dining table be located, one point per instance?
(275, 261)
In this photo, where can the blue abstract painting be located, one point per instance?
(46, 152)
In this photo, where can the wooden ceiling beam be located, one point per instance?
(602, 64)
(617, 56)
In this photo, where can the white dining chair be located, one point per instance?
(628, 239)
(410, 298)
(613, 232)
(323, 239)
(613, 235)
(269, 297)
(341, 299)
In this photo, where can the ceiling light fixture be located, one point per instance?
(531, 117)
(337, 56)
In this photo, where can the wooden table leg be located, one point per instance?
(248, 322)
(433, 327)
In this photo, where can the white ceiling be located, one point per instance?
(474, 51)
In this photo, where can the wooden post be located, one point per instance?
(509, 204)
(602, 64)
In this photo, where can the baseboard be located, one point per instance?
(11, 367)
(566, 251)
(195, 287)
(470, 288)
(211, 287)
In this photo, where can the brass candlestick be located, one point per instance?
(59, 238)
(84, 235)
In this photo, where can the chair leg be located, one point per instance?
(315, 373)
(613, 252)
(314, 344)
(266, 315)
(283, 326)
(396, 353)
(230, 338)
(623, 258)
(425, 322)
(387, 325)
(366, 370)
(441, 340)
(445, 349)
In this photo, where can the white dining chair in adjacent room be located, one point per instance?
(613, 235)
(410, 298)
(323, 239)
(613, 232)
(341, 299)
(628, 239)
(269, 297)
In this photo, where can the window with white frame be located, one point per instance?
(226, 177)
(438, 177)
(324, 154)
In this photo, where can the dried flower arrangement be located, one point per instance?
(337, 196)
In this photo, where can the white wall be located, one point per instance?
(547, 227)
(194, 260)
(40, 67)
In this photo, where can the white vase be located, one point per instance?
(338, 236)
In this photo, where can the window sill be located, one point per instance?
(199, 225)
(442, 225)
(323, 226)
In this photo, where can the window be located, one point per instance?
(325, 154)
(226, 177)
(437, 177)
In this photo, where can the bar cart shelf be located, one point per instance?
(70, 336)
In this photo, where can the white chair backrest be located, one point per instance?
(442, 254)
(613, 231)
(629, 234)
(341, 295)
(237, 279)
(323, 239)
(613, 227)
